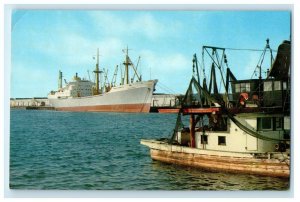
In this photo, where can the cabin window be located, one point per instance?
(284, 86)
(237, 87)
(221, 140)
(265, 123)
(247, 87)
(278, 123)
(204, 139)
(242, 87)
(268, 86)
(277, 85)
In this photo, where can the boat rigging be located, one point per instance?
(243, 129)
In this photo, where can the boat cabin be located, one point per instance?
(253, 133)
(250, 93)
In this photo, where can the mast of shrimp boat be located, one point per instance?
(259, 66)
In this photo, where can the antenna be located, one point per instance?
(89, 75)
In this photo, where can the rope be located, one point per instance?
(247, 49)
(165, 88)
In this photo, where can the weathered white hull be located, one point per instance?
(127, 98)
(277, 164)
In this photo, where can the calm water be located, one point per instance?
(67, 150)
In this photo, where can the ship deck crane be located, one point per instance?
(114, 79)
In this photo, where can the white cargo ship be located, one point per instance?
(85, 95)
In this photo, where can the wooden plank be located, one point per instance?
(191, 110)
(200, 110)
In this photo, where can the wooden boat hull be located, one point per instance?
(217, 161)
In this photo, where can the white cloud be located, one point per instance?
(59, 47)
(69, 47)
(171, 69)
(73, 49)
(27, 82)
(142, 24)
(148, 26)
(165, 62)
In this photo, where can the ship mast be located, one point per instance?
(97, 72)
(126, 63)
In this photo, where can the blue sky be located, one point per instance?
(46, 41)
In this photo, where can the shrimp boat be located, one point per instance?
(85, 95)
(245, 129)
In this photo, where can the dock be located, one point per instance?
(39, 108)
(35, 103)
(161, 102)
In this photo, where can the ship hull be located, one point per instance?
(234, 162)
(109, 108)
(128, 98)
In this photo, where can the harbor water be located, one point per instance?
(102, 151)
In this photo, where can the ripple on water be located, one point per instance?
(101, 151)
